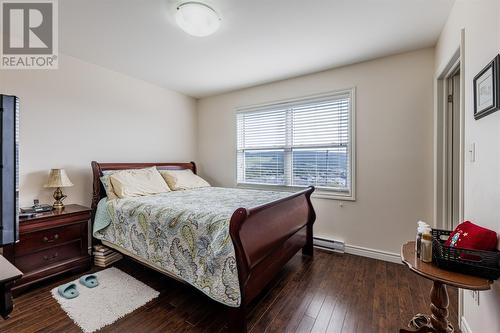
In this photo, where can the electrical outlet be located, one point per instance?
(475, 296)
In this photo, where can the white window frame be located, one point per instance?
(319, 192)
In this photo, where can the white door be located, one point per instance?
(452, 146)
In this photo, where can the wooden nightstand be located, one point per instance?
(50, 244)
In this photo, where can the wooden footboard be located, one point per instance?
(265, 238)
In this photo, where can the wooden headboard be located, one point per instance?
(98, 168)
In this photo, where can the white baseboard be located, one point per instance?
(464, 326)
(373, 253)
(340, 247)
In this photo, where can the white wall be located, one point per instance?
(82, 112)
(394, 145)
(481, 21)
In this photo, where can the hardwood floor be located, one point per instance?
(331, 293)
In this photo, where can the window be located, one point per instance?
(298, 143)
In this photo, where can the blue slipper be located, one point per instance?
(89, 280)
(68, 290)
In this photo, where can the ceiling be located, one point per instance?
(259, 40)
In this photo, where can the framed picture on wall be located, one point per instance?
(486, 89)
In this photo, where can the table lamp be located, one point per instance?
(57, 179)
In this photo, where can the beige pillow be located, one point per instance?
(138, 182)
(183, 179)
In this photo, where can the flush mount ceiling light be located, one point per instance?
(197, 19)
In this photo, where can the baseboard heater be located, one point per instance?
(329, 244)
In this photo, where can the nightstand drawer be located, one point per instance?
(38, 240)
(44, 258)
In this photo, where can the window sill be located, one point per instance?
(318, 193)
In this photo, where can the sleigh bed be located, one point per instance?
(264, 237)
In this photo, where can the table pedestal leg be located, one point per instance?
(439, 308)
(438, 321)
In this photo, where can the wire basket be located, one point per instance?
(485, 264)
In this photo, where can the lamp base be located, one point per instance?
(58, 205)
(59, 197)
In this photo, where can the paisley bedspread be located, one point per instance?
(185, 233)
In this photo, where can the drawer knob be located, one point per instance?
(52, 257)
(47, 240)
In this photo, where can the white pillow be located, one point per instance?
(183, 179)
(138, 182)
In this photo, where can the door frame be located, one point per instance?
(440, 141)
(441, 92)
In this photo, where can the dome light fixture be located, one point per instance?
(197, 19)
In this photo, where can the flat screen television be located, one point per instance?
(9, 201)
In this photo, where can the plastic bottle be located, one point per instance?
(420, 229)
(426, 246)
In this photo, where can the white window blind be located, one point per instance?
(297, 143)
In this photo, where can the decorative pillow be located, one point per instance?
(468, 235)
(183, 179)
(106, 182)
(138, 182)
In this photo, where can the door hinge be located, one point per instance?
(450, 98)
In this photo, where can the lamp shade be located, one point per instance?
(58, 178)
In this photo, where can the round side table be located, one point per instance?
(437, 322)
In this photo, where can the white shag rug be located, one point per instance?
(117, 295)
